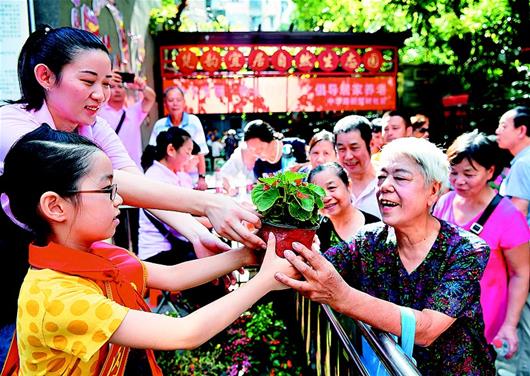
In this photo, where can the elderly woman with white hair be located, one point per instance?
(411, 259)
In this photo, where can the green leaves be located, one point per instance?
(264, 199)
(286, 198)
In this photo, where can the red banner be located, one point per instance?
(234, 60)
(211, 61)
(287, 94)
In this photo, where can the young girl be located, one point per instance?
(80, 305)
(165, 162)
(65, 76)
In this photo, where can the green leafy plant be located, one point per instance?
(287, 199)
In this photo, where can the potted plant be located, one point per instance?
(289, 206)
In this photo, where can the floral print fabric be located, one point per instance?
(446, 281)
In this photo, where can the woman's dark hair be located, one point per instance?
(331, 166)
(321, 136)
(478, 148)
(261, 130)
(43, 160)
(175, 136)
(355, 123)
(54, 48)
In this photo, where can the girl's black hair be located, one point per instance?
(54, 48)
(332, 166)
(261, 130)
(478, 148)
(175, 136)
(43, 160)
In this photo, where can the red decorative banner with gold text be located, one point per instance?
(262, 94)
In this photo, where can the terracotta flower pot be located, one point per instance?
(286, 235)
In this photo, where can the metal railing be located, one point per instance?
(338, 345)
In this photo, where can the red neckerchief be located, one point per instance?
(116, 271)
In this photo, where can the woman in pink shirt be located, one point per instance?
(504, 285)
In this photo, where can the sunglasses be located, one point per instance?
(422, 130)
(111, 190)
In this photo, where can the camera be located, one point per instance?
(126, 76)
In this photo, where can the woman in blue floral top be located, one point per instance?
(411, 259)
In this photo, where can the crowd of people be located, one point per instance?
(405, 225)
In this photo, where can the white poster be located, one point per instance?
(14, 30)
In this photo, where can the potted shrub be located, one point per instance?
(289, 206)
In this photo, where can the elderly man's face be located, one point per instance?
(402, 194)
(394, 127)
(507, 133)
(352, 152)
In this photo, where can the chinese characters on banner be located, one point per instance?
(221, 79)
(287, 94)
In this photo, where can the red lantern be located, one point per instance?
(211, 61)
(350, 61)
(258, 60)
(282, 60)
(234, 60)
(305, 60)
(373, 60)
(186, 61)
(328, 60)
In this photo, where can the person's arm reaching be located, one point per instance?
(160, 332)
(323, 284)
(225, 214)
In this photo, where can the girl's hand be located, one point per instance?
(227, 217)
(207, 244)
(509, 334)
(272, 265)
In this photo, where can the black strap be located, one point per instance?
(184, 249)
(476, 228)
(121, 122)
(160, 227)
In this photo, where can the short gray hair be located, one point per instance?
(433, 162)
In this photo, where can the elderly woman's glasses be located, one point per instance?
(112, 190)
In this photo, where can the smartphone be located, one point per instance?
(126, 76)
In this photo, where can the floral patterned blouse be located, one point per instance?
(446, 281)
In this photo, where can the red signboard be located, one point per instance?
(281, 60)
(261, 94)
(234, 60)
(244, 77)
(187, 61)
(258, 60)
(373, 60)
(211, 61)
(305, 61)
(328, 60)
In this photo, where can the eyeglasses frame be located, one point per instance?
(112, 190)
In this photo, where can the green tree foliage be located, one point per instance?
(476, 41)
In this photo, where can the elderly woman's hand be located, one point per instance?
(322, 284)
